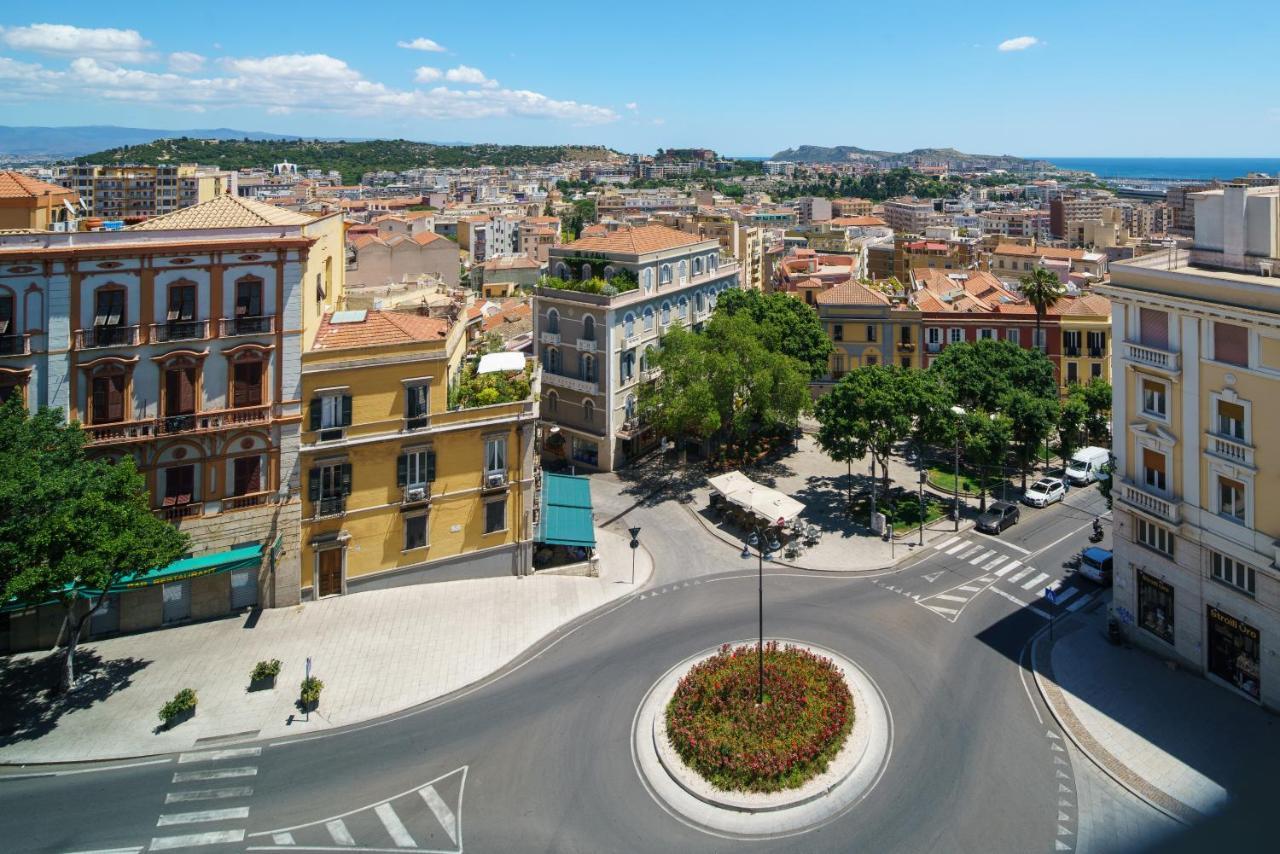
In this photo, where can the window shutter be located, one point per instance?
(100, 395)
(346, 410)
(1231, 344)
(431, 466)
(402, 470)
(315, 413)
(115, 397)
(346, 478)
(187, 389)
(1153, 328)
(313, 484)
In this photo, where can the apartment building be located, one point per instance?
(1074, 207)
(851, 207)
(409, 478)
(909, 216)
(812, 209)
(807, 273)
(594, 340)
(1011, 261)
(1197, 544)
(27, 203)
(867, 327)
(384, 259)
(955, 253)
(135, 192)
(177, 342)
(1026, 223)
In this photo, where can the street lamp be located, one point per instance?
(958, 412)
(758, 539)
(635, 544)
(923, 478)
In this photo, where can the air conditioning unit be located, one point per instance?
(496, 478)
(417, 493)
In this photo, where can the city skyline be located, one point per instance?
(1017, 81)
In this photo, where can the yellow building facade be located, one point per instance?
(1085, 324)
(866, 327)
(400, 486)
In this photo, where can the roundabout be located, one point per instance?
(840, 775)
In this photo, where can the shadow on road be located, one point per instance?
(31, 703)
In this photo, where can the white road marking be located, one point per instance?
(1039, 578)
(1015, 600)
(969, 589)
(215, 774)
(1021, 574)
(957, 548)
(947, 597)
(283, 839)
(1079, 603)
(1019, 549)
(399, 833)
(338, 830)
(968, 553)
(932, 577)
(444, 815)
(944, 611)
(202, 816)
(214, 837)
(980, 558)
(218, 755)
(947, 542)
(1067, 594)
(209, 794)
(135, 850)
(999, 560)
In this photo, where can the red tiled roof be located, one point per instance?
(864, 221)
(1039, 251)
(635, 240)
(378, 328)
(15, 185)
(851, 293)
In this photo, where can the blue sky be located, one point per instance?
(1080, 78)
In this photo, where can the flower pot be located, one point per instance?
(181, 717)
(309, 706)
(266, 683)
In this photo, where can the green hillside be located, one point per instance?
(352, 159)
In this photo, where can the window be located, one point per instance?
(1039, 339)
(180, 388)
(249, 298)
(415, 531)
(1231, 498)
(588, 328)
(6, 315)
(109, 307)
(871, 333)
(1153, 328)
(713, 261)
(684, 270)
(957, 335)
(629, 325)
(905, 337)
(1097, 344)
(933, 335)
(586, 272)
(697, 266)
(1013, 335)
(1231, 344)
(246, 475)
(587, 367)
(246, 380)
(629, 408)
(495, 515)
(415, 469)
(837, 332)
(1154, 400)
(1073, 373)
(553, 322)
(906, 361)
(986, 335)
(699, 302)
(1071, 343)
(417, 404)
(495, 455)
(107, 403)
(1095, 370)
(1231, 571)
(666, 313)
(328, 487)
(179, 485)
(1231, 419)
(664, 274)
(1154, 537)
(180, 320)
(552, 402)
(585, 451)
(551, 359)
(1153, 469)
(684, 307)
(330, 413)
(646, 359)
(647, 278)
(627, 365)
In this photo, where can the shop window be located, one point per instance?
(1233, 651)
(1155, 606)
(1231, 571)
(585, 451)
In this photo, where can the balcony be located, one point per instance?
(1150, 503)
(1229, 448)
(1072, 352)
(198, 422)
(906, 347)
(570, 383)
(108, 336)
(180, 330)
(416, 493)
(246, 501)
(333, 505)
(15, 345)
(549, 337)
(259, 325)
(586, 346)
(934, 347)
(1097, 352)
(178, 512)
(1152, 357)
(650, 374)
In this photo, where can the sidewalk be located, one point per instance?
(1184, 745)
(377, 652)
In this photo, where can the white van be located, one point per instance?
(1087, 465)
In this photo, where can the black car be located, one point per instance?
(999, 515)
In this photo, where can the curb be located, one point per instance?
(1137, 785)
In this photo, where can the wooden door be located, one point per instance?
(330, 572)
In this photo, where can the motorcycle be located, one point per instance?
(1096, 535)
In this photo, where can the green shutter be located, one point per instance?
(402, 470)
(346, 410)
(313, 484)
(315, 413)
(346, 478)
(431, 466)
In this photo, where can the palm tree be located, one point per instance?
(1043, 290)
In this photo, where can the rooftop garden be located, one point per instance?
(473, 389)
(618, 284)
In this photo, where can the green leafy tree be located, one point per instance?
(1033, 418)
(987, 440)
(871, 405)
(788, 325)
(980, 374)
(1097, 400)
(681, 402)
(1042, 289)
(71, 526)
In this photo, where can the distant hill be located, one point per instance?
(950, 156)
(352, 159)
(62, 142)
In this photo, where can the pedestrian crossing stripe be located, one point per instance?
(369, 827)
(1036, 581)
(946, 543)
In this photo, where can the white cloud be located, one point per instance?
(295, 66)
(632, 105)
(468, 75)
(422, 44)
(185, 62)
(104, 43)
(426, 74)
(1019, 43)
(659, 121)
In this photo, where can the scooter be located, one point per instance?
(1096, 535)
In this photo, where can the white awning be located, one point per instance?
(769, 504)
(492, 362)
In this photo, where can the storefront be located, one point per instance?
(1233, 652)
(1155, 606)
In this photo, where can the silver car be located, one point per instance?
(1044, 492)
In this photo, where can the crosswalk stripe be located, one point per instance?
(942, 545)
(968, 553)
(969, 589)
(137, 849)
(999, 560)
(946, 597)
(957, 547)
(202, 816)
(399, 833)
(1067, 594)
(213, 837)
(941, 610)
(218, 755)
(283, 839)
(1018, 576)
(1079, 603)
(214, 774)
(982, 557)
(444, 815)
(1005, 570)
(338, 830)
(1038, 579)
(208, 794)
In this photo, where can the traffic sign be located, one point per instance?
(1051, 595)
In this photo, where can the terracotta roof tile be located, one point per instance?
(852, 293)
(15, 185)
(1039, 251)
(223, 212)
(380, 328)
(635, 241)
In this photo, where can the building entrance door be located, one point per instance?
(177, 601)
(330, 572)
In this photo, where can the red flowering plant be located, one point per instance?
(716, 726)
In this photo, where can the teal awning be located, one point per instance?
(566, 511)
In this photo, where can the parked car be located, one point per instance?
(1095, 565)
(999, 515)
(1044, 492)
(1087, 465)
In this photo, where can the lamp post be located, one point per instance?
(958, 412)
(923, 477)
(635, 544)
(757, 539)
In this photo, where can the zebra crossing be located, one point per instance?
(193, 809)
(1001, 573)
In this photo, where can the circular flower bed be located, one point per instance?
(715, 724)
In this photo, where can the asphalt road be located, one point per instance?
(538, 757)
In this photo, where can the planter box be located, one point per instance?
(265, 684)
(310, 707)
(181, 717)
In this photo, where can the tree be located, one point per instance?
(1032, 419)
(988, 436)
(980, 374)
(680, 403)
(788, 325)
(1071, 420)
(71, 526)
(870, 405)
(1043, 290)
(1097, 400)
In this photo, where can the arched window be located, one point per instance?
(587, 367)
(714, 298)
(647, 278)
(697, 266)
(664, 274)
(33, 309)
(666, 313)
(629, 325)
(248, 368)
(699, 302)
(684, 307)
(609, 271)
(648, 318)
(553, 401)
(181, 377)
(629, 409)
(588, 411)
(553, 322)
(684, 270)
(646, 358)
(586, 272)
(588, 328)
(713, 261)
(551, 359)
(108, 392)
(562, 270)
(8, 322)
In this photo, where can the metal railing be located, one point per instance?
(180, 511)
(244, 502)
(15, 345)
(257, 325)
(416, 493)
(180, 330)
(146, 428)
(333, 505)
(108, 336)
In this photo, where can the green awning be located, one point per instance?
(566, 511)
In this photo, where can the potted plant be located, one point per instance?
(264, 675)
(309, 697)
(179, 709)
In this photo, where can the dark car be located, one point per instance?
(999, 516)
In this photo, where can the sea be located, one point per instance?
(1169, 168)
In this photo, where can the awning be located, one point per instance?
(566, 511)
(769, 504)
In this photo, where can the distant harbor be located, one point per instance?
(1165, 170)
